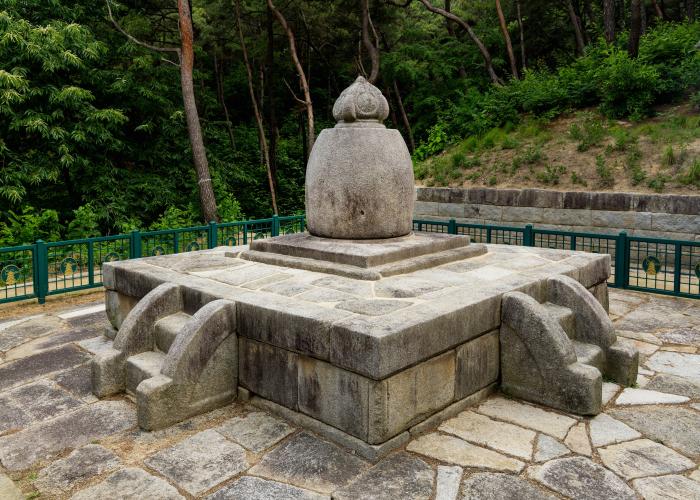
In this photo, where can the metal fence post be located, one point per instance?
(91, 262)
(452, 227)
(213, 234)
(621, 267)
(275, 226)
(135, 250)
(529, 236)
(41, 286)
(677, 264)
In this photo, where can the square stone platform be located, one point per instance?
(370, 358)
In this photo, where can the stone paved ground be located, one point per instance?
(58, 441)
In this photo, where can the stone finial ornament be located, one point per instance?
(359, 179)
(361, 102)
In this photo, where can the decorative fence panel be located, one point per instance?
(669, 267)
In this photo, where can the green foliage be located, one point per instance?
(604, 172)
(85, 223)
(577, 179)
(588, 131)
(658, 182)
(173, 217)
(28, 226)
(551, 174)
(692, 177)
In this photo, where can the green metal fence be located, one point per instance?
(48, 268)
(670, 267)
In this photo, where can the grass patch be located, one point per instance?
(551, 174)
(604, 172)
(588, 131)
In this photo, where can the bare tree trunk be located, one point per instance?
(523, 56)
(256, 110)
(635, 28)
(194, 128)
(609, 20)
(657, 9)
(270, 91)
(372, 49)
(310, 133)
(485, 54)
(404, 118)
(220, 94)
(576, 21)
(690, 9)
(506, 37)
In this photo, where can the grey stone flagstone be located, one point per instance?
(256, 431)
(308, 462)
(674, 384)
(606, 430)
(493, 486)
(580, 478)
(547, 448)
(200, 462)
(8, 490)
(529, 416)
(642, 458)
(667, 487)
(630, 396)
(448, 481)
(130, 484)
(82, 464)
(254, 488)
(33, 402)
(400, 476)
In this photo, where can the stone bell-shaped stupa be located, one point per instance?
(359, 179)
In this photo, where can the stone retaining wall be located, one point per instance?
(655, 215)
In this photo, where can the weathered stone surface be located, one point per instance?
(409, 396)
(33, 403)
(40, 364)
(95, 421)
(256, 431)
(376, 307)
(200, 462)
(344, 201)
(675, 363)
(538, 361)
(606, 430)
(130, 484)
(401, 287)
(642, 458)
(254, 488)
(448, 481)
(577, 440)
(400, 476)
(673, 384)
(484, 431)
(478, 364)
(8, 490)
(528, 416)
(667, 487)
(18, 333)
(547, 448)
(674, 426)
(453, 450)
(86, 462)
(684, 336)
(580, 478)
(609, 391)
(492, 486)
(308, 462)
(77, 380)
(268, 371)
(631, 396)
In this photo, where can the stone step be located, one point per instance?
(589, 354)
(564, 316)
(141, 367)
(167, 329)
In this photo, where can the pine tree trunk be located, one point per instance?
(521, 28)
(270, 91)
(256, 111)
(404, 118)
(370, 47)
(657, 9)
(194, 129)
(303, 82)
(690, 9)
(635, 28)
(506, 37)
(578, 31)
(609, 20)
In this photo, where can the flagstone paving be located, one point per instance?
(58, 441)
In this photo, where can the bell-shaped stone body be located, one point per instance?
(359, 179)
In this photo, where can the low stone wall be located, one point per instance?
(654, 215)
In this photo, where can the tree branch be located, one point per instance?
(136, 40)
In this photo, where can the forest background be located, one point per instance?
(166, 113)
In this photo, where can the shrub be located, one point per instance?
(693, 175)
(657, 183)
(551, 174)
(587, 131)
(85, 223)
(604, 172)
(577, 179)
